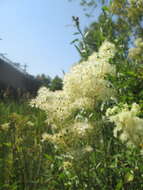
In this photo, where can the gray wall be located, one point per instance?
(11, 76)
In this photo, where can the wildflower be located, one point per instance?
(30, 123)
(111, 111)
(128, 127)
(5, 126)
(80, 128)
(88, 149)
(67, 165)
(46, 137)
(107, 51)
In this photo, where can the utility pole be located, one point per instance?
(25, 67)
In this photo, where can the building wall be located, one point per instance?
(11, 76)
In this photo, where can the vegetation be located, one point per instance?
(53, 84)
(87, 135)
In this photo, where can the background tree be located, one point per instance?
(120, 21)
(45, 80)
(53, 84)
(56, 83)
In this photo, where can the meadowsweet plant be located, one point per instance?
(89, 145)
(83, 87)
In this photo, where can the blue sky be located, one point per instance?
(38, 33)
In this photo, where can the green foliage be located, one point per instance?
(53, 84)
(45, 80)
(98, 161)
(56, 84)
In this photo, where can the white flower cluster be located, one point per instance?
(77, 129)
(129, 127)
(5, 126)
(80, 128)
(87, 79)
(55, 104)
(106, 51)
(83, 86)
(136, 53)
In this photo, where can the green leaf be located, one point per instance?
(78, 49)
(129, 177)
(119, 185)
(76, 33)
(76, 40)
(48, 157)
(7, 144)
(105, 8)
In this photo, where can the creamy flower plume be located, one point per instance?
(87, 78)
(128, 126)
